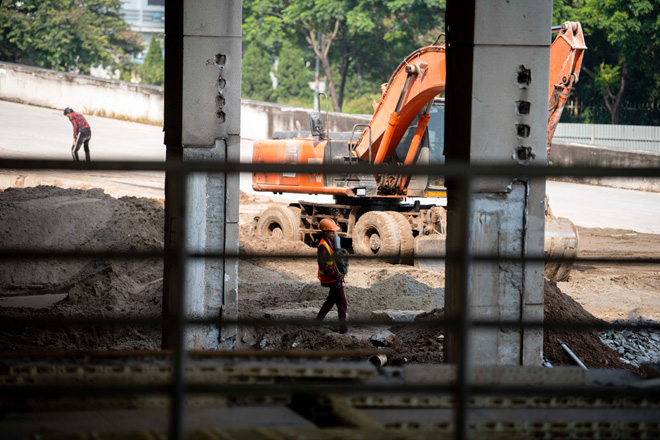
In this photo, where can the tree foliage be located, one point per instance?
(340, 32)
(66, 35)
(292, 75)
(360, 43)
(620, 64)
(256, 82)
(152, 70)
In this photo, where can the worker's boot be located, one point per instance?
(342, 323)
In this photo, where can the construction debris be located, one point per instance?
(383, 338)
(571, 354)
(92, 220)
(635, 347)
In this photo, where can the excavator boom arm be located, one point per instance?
(422, 76)
(417, 80)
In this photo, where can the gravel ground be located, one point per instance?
(635, 347)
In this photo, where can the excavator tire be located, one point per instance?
(406, 253)
(296, 215)
(377, 235)
(278, 222)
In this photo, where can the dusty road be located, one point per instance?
(627, 218)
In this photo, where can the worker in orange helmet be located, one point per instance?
(329, 275)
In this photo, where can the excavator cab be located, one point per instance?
(431, 152)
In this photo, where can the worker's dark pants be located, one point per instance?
(82, 139)
(338, 297)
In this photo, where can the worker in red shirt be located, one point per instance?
(81, 133)
(329, 275)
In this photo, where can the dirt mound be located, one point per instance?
(49, 218)
(53, 218)
(586, 345)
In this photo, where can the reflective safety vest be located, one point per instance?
(323, 277)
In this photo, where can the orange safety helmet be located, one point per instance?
(327, 224)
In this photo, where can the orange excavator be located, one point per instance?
(407, 128)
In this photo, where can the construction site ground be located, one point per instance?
(51, 217)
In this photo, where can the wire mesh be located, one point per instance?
(177, 322)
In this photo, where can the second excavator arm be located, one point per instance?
(565, 63)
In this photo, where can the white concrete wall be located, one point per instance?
(260, 119)
(142, 103)
(85, 94)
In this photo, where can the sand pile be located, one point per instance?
(52, 218)
(48, 218)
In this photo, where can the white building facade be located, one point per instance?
(147, 17)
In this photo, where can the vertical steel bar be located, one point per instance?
(177, 313)
(175, 192)
(461, 415)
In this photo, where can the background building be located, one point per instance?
(147, 17)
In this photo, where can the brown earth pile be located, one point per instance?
(586, 345)
(54, 218)
(51, 218)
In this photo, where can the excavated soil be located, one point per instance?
(46, 218)
(50, 218)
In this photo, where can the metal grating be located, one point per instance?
(251, 383)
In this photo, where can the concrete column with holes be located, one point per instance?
(202, 123)
(497, 113)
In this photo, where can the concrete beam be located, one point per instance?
(498, 55)
(202, 123)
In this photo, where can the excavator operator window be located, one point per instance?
(434, 138)
(404, 145)
(436, 132)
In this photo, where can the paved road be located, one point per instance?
(601, 207)
(34, 132)
(41, 133)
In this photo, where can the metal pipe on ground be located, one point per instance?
(571, 354)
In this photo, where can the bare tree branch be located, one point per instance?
(588, 71)
(276, 14)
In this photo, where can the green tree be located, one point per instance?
(631, 31)
(292, 76)
(339, 32)
(66, 34)
(153, 69)
(620, 64)
(255, 82)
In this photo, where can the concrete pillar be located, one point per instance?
(202, 121)
(497, 82)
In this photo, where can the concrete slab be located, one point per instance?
(33, 301)
(430, 417)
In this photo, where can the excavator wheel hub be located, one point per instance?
(374, 242)
(277, 233)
